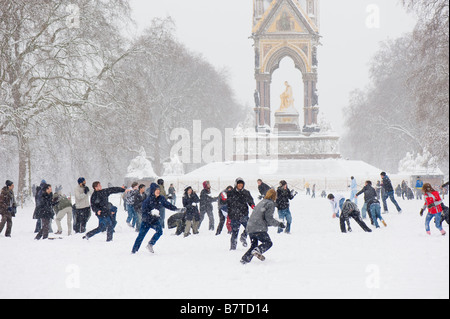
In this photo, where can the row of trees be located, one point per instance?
(406, 107)
(79, 98)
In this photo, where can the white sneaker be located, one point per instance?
(150, 248)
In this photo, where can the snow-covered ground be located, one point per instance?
(314, 261)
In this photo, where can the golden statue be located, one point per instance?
(287, 99)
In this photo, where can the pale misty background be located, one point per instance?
(220, 31)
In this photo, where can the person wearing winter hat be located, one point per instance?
(238, 201)
(386, 184)
(7, 207)
(257, 227)
(150, 217)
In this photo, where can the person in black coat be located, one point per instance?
(102, 209)
(284, 195)
(139, 198)
(386, 184)
(44, 211)
(238, 201)
(262, 188)
(190, 202)
(369, 194)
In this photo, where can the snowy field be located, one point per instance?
(314, 261)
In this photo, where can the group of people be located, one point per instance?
(146, 210)
(344, 209)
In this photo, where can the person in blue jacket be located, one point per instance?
(150, 217)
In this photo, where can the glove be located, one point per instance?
(253, 206)
(86, 189)
(421, 212)
(282, 226)
(10, 209)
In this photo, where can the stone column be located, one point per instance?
(310, 106)
(263, 82)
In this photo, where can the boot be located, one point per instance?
(443, 233)
(257, 253)
(384, 223)
(195, 227)
(187, 229)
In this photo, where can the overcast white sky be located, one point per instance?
(219, 29)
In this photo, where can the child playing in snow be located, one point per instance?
(433, 202)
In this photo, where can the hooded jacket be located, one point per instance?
(152, 204)
(6, 200)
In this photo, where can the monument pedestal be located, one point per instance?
(287, 122)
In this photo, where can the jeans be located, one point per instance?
(285, 214)
(266, 244)
(145, 227)
(235, 225)
(375, 210)
(437, 221)
(132, 216)
(391, 196)
(104, 224)
(353, 197)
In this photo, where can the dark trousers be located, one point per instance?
(82, 217)
(104, 224)
(266, 244)
(235, 225)
(145, 227)
(6, 219)
(345, 218)
(45, 228)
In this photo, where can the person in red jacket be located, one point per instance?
(433, 202)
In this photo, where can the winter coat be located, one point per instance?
(82, 197)
(349, 207)
(238, 203)
(190, 202)
(38, 199)
(387, 185)
(173, 220)
(45, 209)
(262, 217)
(138, 200)
(263, 188)
(433, 201)
(206, 200)
(283, 198)
(369, 193)
(100, 201)
(7, 202)
(152, 204)
(63, 202)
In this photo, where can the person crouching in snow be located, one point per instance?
(190, 202)
(350, 210)
(433, 202)
(336, 206)
(257, 227)
(150, 217)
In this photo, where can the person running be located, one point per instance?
(102, 209)
(386, 184)
(238, 201)
(433, 202)
(150, 217)
(257, 227)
